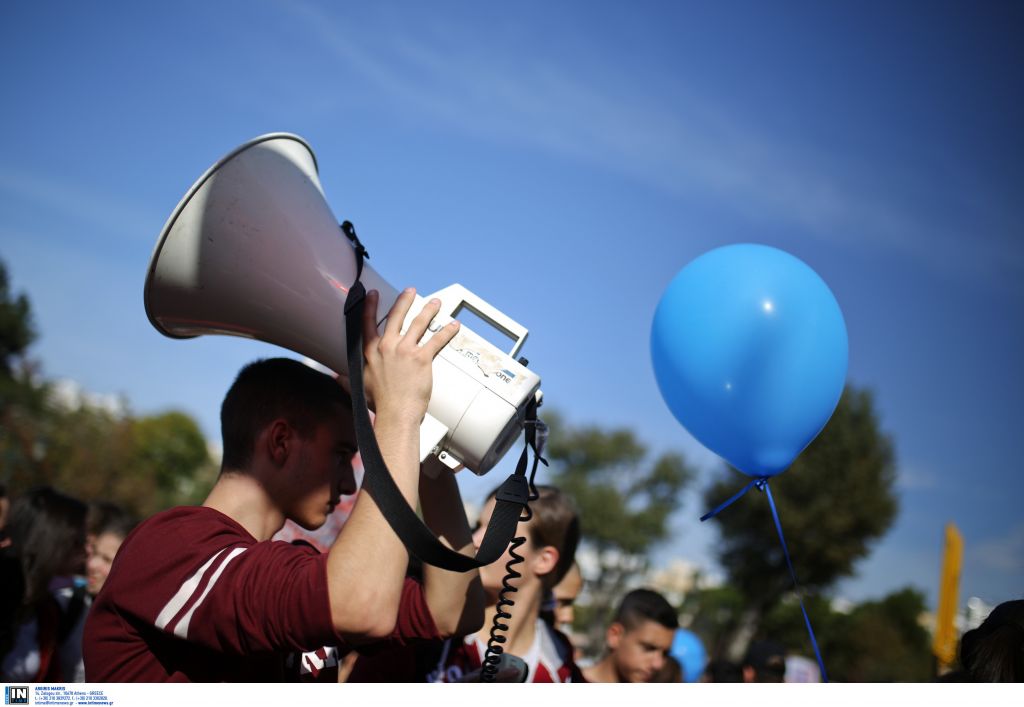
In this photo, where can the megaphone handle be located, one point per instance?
(455, 297)
(432, 431)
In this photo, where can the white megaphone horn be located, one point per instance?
(253, 250)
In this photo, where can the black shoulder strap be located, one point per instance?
(511, 497)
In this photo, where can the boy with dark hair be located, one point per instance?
(765, 661)
(203, 594)
(559, 605)
(638, 639)
(551, 537)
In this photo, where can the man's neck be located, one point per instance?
(243, 498)
(522, 627)
(602, 671)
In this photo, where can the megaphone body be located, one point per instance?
(253, 250)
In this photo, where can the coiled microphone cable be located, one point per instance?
(495, 644)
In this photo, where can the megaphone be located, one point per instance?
(253, 250)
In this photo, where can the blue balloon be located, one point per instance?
(689, 651)
(750, 352)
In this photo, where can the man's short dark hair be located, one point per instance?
(269, 389)
(994, 651)
(642, 605)
(555, 523)
(768, 659)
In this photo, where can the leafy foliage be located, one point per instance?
(714, 614)
(878, 641)
(625, 499)
(146, 464)
(875, 641)
(143, 463)
(16, 329)
(834, 501)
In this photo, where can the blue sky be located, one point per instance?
(564, 161)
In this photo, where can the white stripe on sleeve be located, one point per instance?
(181, 630)
(184, 593)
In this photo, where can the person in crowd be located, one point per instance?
(551, 537)
(202, 594)
(638, 639)
(105, 514)
(994, 652)
(107, 525)
(765, 661)
(47, 545)
(11, 584)
(559, 608)
(721, 670)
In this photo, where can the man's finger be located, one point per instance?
(418, 326)
(398, 311)
(439, 340)
(370, 317)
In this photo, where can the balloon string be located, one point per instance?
(792, 573)
(721, 507)
(762, 485)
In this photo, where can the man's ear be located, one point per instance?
(614, 635)
(278, 439)
(545, 560)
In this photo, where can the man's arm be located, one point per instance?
(366, 565)
(455, 599)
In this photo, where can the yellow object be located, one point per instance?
(944, 643)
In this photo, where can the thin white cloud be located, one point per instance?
(112, 215)
(689, 146)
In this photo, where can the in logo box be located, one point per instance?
(15, 694)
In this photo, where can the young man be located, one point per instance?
(202, 594)
(765, 661)
(638, 639)
(560, 607)
(551, 539)
(107, 525)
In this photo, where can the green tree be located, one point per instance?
(884, 641)
(170, 449)
(146, 464)
(877, 641)
(22, 398)
(16, 329)
(625, 498)
(88, 451)
(714, 614)
(835, 500)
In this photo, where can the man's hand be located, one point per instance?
(398, 369)
(367, 561)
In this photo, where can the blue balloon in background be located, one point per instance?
(750, 353)
(689, 651)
